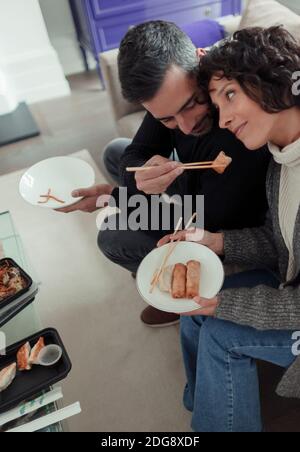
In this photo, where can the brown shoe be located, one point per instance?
(157, 319)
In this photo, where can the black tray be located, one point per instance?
(15, 307)
(27, 278)
(28, 383)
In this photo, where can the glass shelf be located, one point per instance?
(27, 322)
(11, 244)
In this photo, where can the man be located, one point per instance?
(158, 68)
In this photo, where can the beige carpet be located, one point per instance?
(126, 376)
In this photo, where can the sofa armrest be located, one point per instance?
(109, 66)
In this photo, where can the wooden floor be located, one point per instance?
(69, 124)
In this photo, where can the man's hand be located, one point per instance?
(90, 196)
(156, 181)
(207, 307)
(213, 241)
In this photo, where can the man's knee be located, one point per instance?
(110, 155)
(126, 248)
(109, 243)
(113, 152)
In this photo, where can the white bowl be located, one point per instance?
(60, 174)
(211, 278)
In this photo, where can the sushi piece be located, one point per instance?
(23, 357)
(36, 351)
(224, 160)
(7, 376)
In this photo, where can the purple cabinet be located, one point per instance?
(101, 24)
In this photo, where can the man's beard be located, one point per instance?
(203, 126)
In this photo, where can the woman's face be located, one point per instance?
(240, 114)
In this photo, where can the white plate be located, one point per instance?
(62, 175)
(212, 276)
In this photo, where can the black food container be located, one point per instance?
(8, 262)
(29, 383)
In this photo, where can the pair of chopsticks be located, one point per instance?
(170, 250)
(219, 165)
(186, 166)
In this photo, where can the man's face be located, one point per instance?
(179, 104)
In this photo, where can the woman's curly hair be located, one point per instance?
(263, 61)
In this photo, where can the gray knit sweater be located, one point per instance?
(262, 307)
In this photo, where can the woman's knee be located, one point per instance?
(217, 332)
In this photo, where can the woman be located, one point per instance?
(250, 79)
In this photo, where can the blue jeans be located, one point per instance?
(222, 388)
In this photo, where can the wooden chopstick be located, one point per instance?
(198, 163)
(187, 166)
(164, 263)
(169, 252)
(157, 273)
(203, 167)
(190, 221)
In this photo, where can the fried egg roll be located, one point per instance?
(193, 279)
(179, 281)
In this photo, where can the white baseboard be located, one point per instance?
(8, 100)
(37, 76)
(45, 92)
(70, 56)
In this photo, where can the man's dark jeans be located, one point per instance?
(125, 248)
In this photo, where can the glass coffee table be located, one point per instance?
(26, 322)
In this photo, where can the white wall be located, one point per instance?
(8, 99)
(61, 30)
(30, 61)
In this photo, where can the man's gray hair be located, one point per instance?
(146, 54)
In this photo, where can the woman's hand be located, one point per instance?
(207, 307)
(214, 241)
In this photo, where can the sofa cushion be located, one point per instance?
(109, 65)
(204, 33)
(266, 13)
(129, 124)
